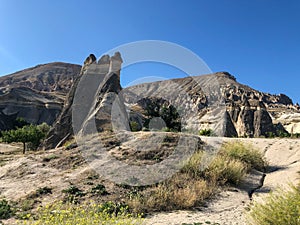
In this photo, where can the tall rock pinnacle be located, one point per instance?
(88, 105)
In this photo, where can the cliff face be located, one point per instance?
(36, 94)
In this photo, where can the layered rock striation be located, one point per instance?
(35, 94)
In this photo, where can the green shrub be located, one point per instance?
(283, 134)
(134, 126)
(20, 122)
(44, 191)
(182, 191)
(167, 112)
(73, 190)
(5, 209)
(73, 194)
(270, 135)
(206, 132)
(114, 209)
(99, 189)
(281, 208)
(165, 129)
(192, 166)
(221, 169)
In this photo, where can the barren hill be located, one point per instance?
(36, 94)
(51, 77)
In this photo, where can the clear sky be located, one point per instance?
(257, 41)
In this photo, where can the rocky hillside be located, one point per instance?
(215, 101)
(36, 94)
(241, 111)
(52, 77)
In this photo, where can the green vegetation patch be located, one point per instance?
(92, 213)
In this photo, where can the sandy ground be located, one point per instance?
(21, 175)
(230, 207)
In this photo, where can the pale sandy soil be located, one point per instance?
(19, 176)
(230, 207)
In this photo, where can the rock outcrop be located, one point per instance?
(89, 105)
(243, 112)
(35, 107)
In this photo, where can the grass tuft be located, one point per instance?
(246, 153)
(281, 207)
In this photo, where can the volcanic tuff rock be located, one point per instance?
(248, 112)
(36, 94)
(52, 77)
(88, 106)
(216, 101)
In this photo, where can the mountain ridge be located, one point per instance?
(54, 80)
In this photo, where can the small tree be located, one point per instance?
(27, 134)
(20, 122)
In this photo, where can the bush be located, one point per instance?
(192, 166)
(134, 126)
(20, 122)
(100, 190)
(270, 135)
(280, 208)
(167, 112)
(73, 190)
(252, 157)
(44, 191)
(5, 209)
(73, 194)
(224, 170)
(206, 132)
(283, 134)
(220, 170)
(63, 214)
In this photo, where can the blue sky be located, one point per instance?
(257, 41)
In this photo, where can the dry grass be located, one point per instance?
(194, 183)
(246, 153)
(281, 208)
(226, 170)
(180, 192)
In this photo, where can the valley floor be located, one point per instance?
(21, 175)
